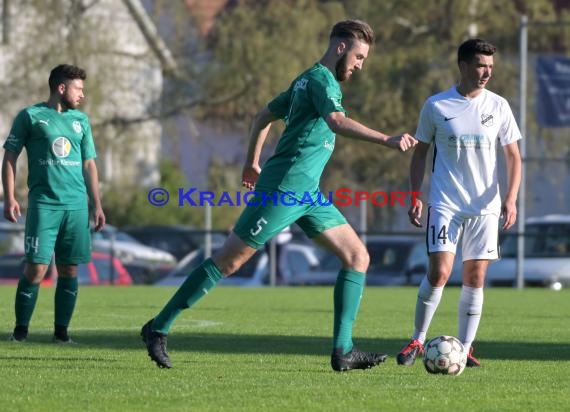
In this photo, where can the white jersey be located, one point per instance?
(464, 132)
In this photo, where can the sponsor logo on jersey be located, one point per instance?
(487, 120)
(76, 126)
(61, 147)
(469, 141)
(328, 145)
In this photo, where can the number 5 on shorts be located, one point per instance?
(255, 232)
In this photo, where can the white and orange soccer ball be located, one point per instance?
(444, 355)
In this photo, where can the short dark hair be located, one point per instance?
(353, 29)
(471, 47)
(63, 73)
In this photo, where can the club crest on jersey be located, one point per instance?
(61, 147)
(487, 120)
(76, 126)
(301, 84)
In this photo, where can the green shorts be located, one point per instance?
(267, 214)
(63, 232)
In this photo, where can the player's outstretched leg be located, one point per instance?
(197, 284)
(156, 345)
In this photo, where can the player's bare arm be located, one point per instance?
(92, 180)
(417, 170)
(11, 205)
(514, 171)
(257, 136)
(339, 123)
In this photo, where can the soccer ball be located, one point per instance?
(445, 355)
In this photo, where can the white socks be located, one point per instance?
(469, 310)
(426, 305)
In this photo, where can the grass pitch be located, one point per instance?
(269, 349)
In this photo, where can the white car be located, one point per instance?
(11, 237)
(297, 260)
(546, 257)
(395, 260)
(144, 263)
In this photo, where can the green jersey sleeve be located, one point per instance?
(19, 133)
(327, 97)
(279, 106)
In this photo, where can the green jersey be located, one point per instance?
(56, 144)
(307, 142)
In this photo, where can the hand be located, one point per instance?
(12, 210)
(509, 214)
(99, 219)
(249, 176)
(415, 213)
(402, 142)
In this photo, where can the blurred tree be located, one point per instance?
(127, 203)
(268, 43)
(253, 50)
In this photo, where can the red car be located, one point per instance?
(100, 272)
(12, 268)
(96, 272)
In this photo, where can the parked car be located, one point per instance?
(145, 264)
(394, 261)
(296, 262)
(11, 237)
(12, 269)
(100, 271)
(96, 272)
(178, 240)
(546, 255)
(252, 273)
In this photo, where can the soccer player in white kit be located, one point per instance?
(463, 124)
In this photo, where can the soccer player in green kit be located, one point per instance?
(312, 110)
(61, 176)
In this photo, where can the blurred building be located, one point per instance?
(124, 77)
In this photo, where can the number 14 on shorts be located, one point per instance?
(438, 236)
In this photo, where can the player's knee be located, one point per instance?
(438, 276)
(474, 279)
(357, 259)
(35, 273)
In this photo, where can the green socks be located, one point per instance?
(65, 298)
(197, 284)
(347, 295)
(26, 298)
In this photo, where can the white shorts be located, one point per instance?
(478, 235)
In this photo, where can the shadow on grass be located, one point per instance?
(295, 345)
